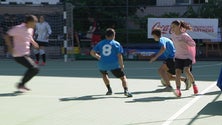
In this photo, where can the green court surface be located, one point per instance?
(73, 93)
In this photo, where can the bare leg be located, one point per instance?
(164, 74)
(188, 74)
(106, 81)
(124, 84)
(178, 76)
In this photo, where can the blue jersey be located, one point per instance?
(108, 50)
(168, 44)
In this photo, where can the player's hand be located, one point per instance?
(152, 59)
(98, 57)
(36, 46)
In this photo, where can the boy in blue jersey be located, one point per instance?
(167, 69)
(108, 52)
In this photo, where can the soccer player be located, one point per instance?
(167, 69)
(185, 53)
(43, 31)
(22, 36)
(108, 52)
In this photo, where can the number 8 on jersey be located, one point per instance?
(106, 50)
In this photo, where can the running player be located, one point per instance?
(108, 52)
(185, 53)
(20, 49)
(43, 31)
(167, 69)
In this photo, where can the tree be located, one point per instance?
(107, 12)
(212, 9)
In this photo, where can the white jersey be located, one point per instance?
(43, 30)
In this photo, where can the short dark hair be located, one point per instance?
(156, 32)
(30, 18)
(110, 32)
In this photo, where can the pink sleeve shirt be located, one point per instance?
(185, 47)
(22, 37)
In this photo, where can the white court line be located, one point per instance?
(188, 105)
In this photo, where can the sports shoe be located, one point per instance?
(109, 92)
(177, 92)
(163, 82)
(195, 89)
(187, 83)
(167, 89)
(37, 62)
(22, 88)
(128, 94)
(43, 64)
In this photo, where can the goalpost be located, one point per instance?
(58, 15)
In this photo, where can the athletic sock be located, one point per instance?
(37, 56)
(178, 87)
(108, 87)
(43, 58)
(125, 89)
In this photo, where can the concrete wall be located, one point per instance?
(160, 10)
(165, 2)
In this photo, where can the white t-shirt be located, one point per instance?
(43, 30)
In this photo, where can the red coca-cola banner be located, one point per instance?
(201, 28)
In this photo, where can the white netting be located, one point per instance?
(11, 15)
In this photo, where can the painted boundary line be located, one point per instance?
(188, 105)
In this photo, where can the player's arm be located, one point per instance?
(120, 59)
(94, 54)
(161, 51)
(49, 29)
(189, 40)
(8, 43)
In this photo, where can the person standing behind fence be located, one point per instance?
(185, 53)
(43, 31)
(94, 31)
(22, 36)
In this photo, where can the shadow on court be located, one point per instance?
(16, 93)
(211, 109)
(88, 98)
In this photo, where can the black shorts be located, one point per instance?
(181, 63)
(170, 65)
(43, 43)
(118, 73)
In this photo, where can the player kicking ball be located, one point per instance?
(167, 69)
(108, 52)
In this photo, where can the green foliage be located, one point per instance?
(212, 9)
(190, 13)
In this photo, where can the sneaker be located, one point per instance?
(43, 64)
(168, 89)
(128, 94)
(109, 92)
(187, 83)
(177, 92)
(195, 89)
(163, 83)
(22, 88)
(37, 62)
